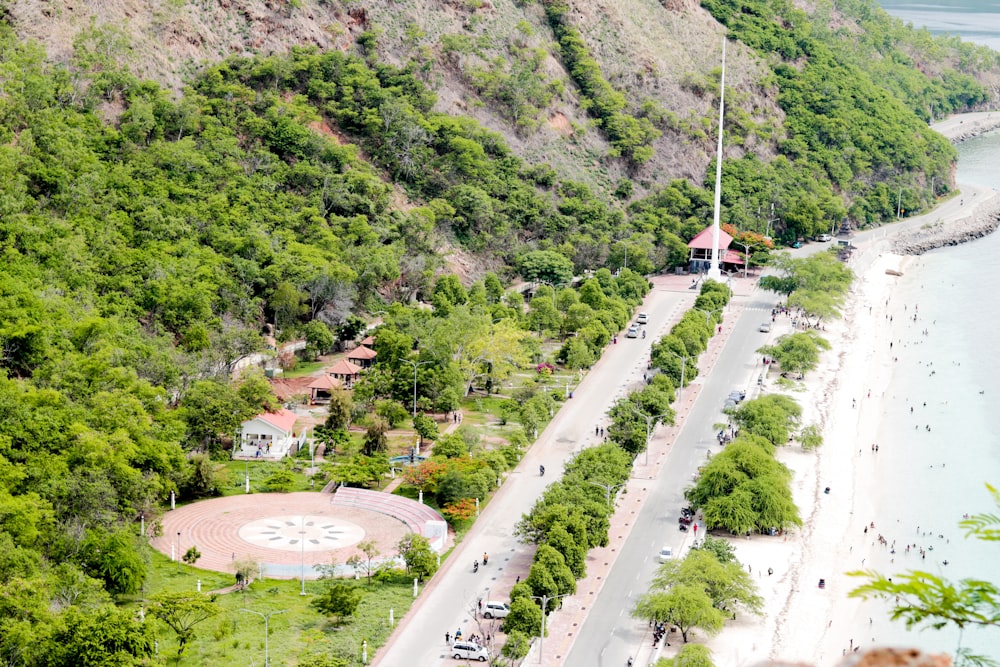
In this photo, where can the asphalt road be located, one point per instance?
(610, 635)
(449, 601)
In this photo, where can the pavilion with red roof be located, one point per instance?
(701, 252)
(321, 389)
(345, 372)
(362, 356)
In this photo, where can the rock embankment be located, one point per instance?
(981, 221)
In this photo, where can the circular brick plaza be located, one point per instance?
(286, 533)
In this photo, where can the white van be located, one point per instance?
(642, 319)
(469, 651)
(494, 609)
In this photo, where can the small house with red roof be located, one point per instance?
(701, 252)
(344, 371)
(369, 341)
(321, 389)
(269, 435)
(362, 356)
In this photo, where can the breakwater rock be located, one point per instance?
(981, 221)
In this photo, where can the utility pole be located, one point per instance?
(545, 605)
(267, 618)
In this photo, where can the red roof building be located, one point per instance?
(362, 356)
(345, 371)
(701, 252)
(322, 388)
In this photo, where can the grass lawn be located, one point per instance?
(303, 368)
(235, 637)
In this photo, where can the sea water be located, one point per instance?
(929, 479)
(937, 439)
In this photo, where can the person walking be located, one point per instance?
(486, 558)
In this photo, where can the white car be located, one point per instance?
(493, 609)
(643, 318)
(666, 553)
(633, 332)
(824, 238)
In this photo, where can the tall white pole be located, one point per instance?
(713, 270)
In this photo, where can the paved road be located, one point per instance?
(609, 635)
(453, 592)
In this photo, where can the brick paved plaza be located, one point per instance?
(282, 531)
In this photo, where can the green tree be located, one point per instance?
(426, 427)
(319, 337)
(340, 410)
(191, 556)
(181, 612)
(727, 584)
(96, 637)
(545, 266)
(525, 618)
(416, 552)
(685, 606)
(376, 440)
(797, 352)
(339, 600)
(365, 563)
(772, 417)
(451, 446)
(690, 655)
(517, 645)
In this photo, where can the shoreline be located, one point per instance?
(833, 539)
(956, 128)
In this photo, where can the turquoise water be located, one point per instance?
(931, 478)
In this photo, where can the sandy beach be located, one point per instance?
(804, 623)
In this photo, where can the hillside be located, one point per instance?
(179, 180)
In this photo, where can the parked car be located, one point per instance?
(494, 609)
(824, 238)
(765, 327)
(469, 651)
(633, 332)
(666, 553)
(729, 404)
(737, 395)
(642, 319)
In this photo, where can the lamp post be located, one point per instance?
(707, 313)
(267, 618)
(302, 557)
(649, 424)
(680, 391)
(545, 603)
(608, 488)
(415, 364)
(899, 202)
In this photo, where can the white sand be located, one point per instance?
(797, 613)
(801, 621)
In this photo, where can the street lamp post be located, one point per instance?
(649, 425)
(545, 604)
(608, 488)
(302, 557)
(267, 618)
(415, 364)
(707, 313)
(684, 360)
